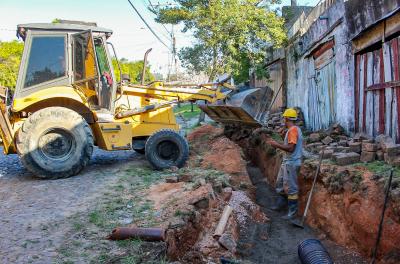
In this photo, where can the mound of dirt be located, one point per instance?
(211, 149)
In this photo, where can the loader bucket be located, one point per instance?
(248, 107)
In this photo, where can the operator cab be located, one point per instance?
(69, 53)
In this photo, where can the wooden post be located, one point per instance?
(222, 222)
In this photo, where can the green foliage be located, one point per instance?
(10, 58)
(231, 35)
(133, 68)
(186, 111)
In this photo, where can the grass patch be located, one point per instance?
(186, 111)
(380, 168)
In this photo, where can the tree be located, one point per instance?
(230, 35)
(133, 68)
(10, 58)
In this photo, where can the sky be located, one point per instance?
(131, 37)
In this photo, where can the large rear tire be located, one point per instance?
(166, 148)
(55, 142)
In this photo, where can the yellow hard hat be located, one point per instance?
(290, 113)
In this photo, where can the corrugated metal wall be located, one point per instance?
(377, 91)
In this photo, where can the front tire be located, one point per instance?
(166, 148)
(55, 142)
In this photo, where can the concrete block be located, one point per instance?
(347, 158)
(367, 156)
(355, 147)
(327, 140)
(370, 147)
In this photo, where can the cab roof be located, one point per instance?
(68, 26)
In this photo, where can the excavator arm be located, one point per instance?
(6, 130)
(231, 107)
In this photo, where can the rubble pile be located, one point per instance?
(346, 150)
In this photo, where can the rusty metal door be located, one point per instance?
(377, 91)
(322, 93)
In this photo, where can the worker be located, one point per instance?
(290, 167)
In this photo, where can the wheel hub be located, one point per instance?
(168, 150)
(56, 143)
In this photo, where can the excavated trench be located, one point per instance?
(344, 213)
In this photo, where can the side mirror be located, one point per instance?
(125, 77)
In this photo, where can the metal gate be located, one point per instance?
(377, 91)
(322, 92)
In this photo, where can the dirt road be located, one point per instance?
(33, 212)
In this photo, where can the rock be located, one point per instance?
(171, 179)
(184, 178)
(314, 137)
(367, 156)
(370, 147)
(327, 140)
(347, 158)
(355, 147)
(393, 150)
(203, 203)
(379, 155)
(227, 193)
(342, 143)
(327, 153)
(227, 241)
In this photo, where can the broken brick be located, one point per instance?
(347, 158)
(342, 143)
(355, 147)
(327, 140)
(367, 156)
(343, 149)
(370, 147)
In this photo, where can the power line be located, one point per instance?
(154, 8)
(148, 26)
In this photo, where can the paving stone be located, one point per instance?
(314, 137)
(327, 140)
(379, 155)
(343, 149)
(371, 147)
(342, 143)
(327, 153)
(367, 156)
(393, 151)
(355, 147)
(394, 161)
(347, 158)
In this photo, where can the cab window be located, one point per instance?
(46, 60)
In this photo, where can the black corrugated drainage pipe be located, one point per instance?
(311, 251)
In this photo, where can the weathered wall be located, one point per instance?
(362, 14)
(301, 74)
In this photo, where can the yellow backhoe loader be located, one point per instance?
(67, 101)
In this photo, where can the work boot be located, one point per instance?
(292, 212)
(279, 204)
